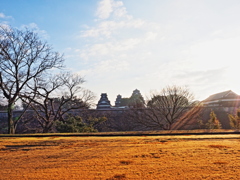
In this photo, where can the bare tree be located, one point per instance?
(164, 108)
(23, 59)
(57, 96)
(190, 119)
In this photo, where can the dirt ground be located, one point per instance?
(110, 158)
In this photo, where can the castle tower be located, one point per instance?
(103, 103)
(118, 101)
(136, 100)
(136, 92)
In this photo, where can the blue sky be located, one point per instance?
(121, 45)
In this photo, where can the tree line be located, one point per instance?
(32, 73)
(27, 67)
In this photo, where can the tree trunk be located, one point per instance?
(47, 127)
(45, 130)
(11, 127)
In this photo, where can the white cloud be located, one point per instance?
(113, 17)
(111, 48)
(112, 66)
(2, 15)
(105, 29)
(121, 12)
(106, 8)
(34, 27)
(4, 20)
(151, 36)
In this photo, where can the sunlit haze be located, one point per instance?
(122, 45)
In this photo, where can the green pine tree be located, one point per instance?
(213, 122)
(77, 124)
(235, 120)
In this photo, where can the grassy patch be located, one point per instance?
(218, 146)
(129, 157)
(220, 162)
(125, 162)
(117, 177)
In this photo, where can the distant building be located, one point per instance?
(136, 100)
(223, 99)
(223, 104)
(104, 103)
(136, 92)
(118, 101)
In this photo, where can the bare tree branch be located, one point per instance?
(165, 108)
(56, 96)
(23, 58)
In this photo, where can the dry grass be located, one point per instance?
(218, 146)
(120, 158)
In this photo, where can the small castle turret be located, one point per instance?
(118, 101)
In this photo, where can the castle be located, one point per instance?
(104, 103)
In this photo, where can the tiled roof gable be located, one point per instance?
(222, 95)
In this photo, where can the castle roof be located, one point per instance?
(104, 103)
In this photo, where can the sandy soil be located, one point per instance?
(109, 158)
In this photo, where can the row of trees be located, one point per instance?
(214, 123)
(27, 65)
(164, 108)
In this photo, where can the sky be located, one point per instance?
(122, 45)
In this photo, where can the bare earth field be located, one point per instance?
(109, 158)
